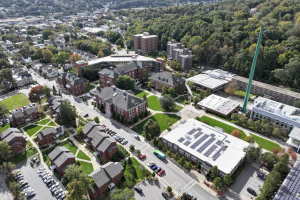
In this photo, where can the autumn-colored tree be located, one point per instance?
(293, 155)
(35, 92)
(250, 139)
(75, 57)
(232, 88)
(282, 150)
(236, 133)
(290, 150)
(275, 150)
(100, 54)
(47, 55)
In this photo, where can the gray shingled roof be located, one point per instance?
(57, 151)
(88, 126)
(113, 169)
(60, 129)
(40, 136)
(117, 97)
(62, 158)
(167, 78)
(9, 131)
(96, 136)
(73, 78)
(18, 114)
(12, 136)
(119, 70)
(100, 177)
(48, 131)
(31, 110)
(102, 147)
(109, 73)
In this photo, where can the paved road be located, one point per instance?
(4, 192)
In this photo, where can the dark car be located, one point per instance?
(165, 195)
(137, 137)
(261, 175)
(158, 170)
(154, 167)
(86, 115)
(138, 189)
(251, 191)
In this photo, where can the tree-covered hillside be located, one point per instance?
(226, 37)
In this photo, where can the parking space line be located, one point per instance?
(190, 187)
(145, 149)
(141, 146)
(165, 181)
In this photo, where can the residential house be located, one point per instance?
(74, 84)
(106, 178)
(158, 80)
(61, 158)
(15, 139)
(48, 135)
(22, 77)
(102, 145)
(27, 59)
(24, 116)
(54, 103)
(50, 71)
(123, 102)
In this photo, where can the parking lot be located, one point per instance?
(36, 183)
(247, 179)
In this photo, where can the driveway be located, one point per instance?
(36, 183)
(247, 179)
(4, 192)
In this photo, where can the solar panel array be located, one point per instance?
(191, 131)
(210, 150)
(206, 144)
(181, 139)
(218, 153)
(187, 143)
(199, 141)
(212, 135)
(291, 184)
(219, 142)
(197, 134)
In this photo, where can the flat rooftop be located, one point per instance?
(289, 189)
(268, 87)
(208, 144)
(277, 110)
(207, 81)
(121, 58)
(219, 104)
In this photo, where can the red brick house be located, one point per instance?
(48, 135)
(164, 78)
(123, 102)
(15, 139)
(102, 144)
(74, 84)
(54, 102)
(61, 158)
(136, 70)
(105, 178)
(24, 116)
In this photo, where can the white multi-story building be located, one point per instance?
(22, 77)
(49, 71)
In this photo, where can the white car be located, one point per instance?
(7, 120)
(149, 164)
(1, 123)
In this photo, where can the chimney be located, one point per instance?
(111, 68)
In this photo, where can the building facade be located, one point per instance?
(177, 51)
(145, 42)
(15, 139)
(123, 102)
(24, 116)
(48, 135)
(158, 80)
(74, 84)
(54, 103)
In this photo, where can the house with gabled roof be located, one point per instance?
(158, 80)
(74, 84)
(48, 135)
(15, 139)
(54, 103)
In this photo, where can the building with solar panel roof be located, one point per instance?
(199, 142)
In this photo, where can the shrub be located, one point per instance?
(236, 133)
(250, 139)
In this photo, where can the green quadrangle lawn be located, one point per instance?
(266, 144)
(241, 92)
(83, 156)
(72, 149)
(140, 93)
(16, 101)
(51, 124)
(162, 120)
(227, 128)
(86, 167)
(32, 129)
(43, 122)
(22, 156)
(4, 127)
(154, 104)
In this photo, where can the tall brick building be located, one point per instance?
(74, 84)
(15, 139)
(145, 42)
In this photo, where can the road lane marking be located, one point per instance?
(190, 187)
(165, 181)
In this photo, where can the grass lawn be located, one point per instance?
(162, 120)
(22, 156)
(43, 122)
(16, 101)
(32, 129)
(72, 149)
(83, 156)
(4, 127)
(86, 167)
(51, 124)
(241, 92)
(227, 128)
(44, 100)
(266, 144)
(140, 93)
(154, 104)
(136, 171)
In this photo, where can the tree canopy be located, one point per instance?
(67, 112)
(125, 82)
(167, 103)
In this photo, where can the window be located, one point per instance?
(169, 144)
(175, 147)
(181, 151)
(194, 158)
(164, 141)
(187, 155)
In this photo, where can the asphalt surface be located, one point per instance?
(4, 192)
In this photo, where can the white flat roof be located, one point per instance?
(219, 104)
(120, 58)
(207, 81)
(228, 159)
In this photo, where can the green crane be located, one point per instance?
(252, 71)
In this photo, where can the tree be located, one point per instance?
(35, 93)
(66, 37)
(129, 161)
(250, 139)
(67, 112)
(46, 33)
(125, 82)
(214, 171)
(138, 152)
(182, 161)
(236, 133)
(10, 167)
(167, 103)
(3, 110)
(75, 57)
(131, 147)
(232, 87)
(269, 158)
(151, 128)
(53, 49)
(144, 97)
(234, 117)
(218, 184)
(275, 150)
(282, 165)
(293, 155)
(297, 104)
(250, 122)
(6, 74)
(191, 84)
(165, 149)
(120, 42)
(290, 150)
(47, 55)
(176, 156)
(79, 130)
(172, 91)
(169, 189)
(243, 120)
(252, 153)
(154, 141)
(257, 126)
(186, 196)
(4, 151)
(227, 180)
(270, 184)
(120, 194)
(47, 91)
(61, 58)
(15, 190)
(96, 119)
(165, 89)
(74, 70)
(149, 85)
(159, 145)
(189, 166)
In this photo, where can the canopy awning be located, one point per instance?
(68, 86)
(53, 167)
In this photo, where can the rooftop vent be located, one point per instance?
(115, 94)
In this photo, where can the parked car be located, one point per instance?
(30, 195)
(261, 175)
(7, 120)
(137, 137)
(151, 164)
(158, 170)
(1, 123)
(142, 157)
(57, 192)
(23, 183)
(124, 142)
(154, 167)
(24, 107)
(86, 115)
(251, 191)
(161, 172)
(23, 188)
(165, 195)
(138, 189)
